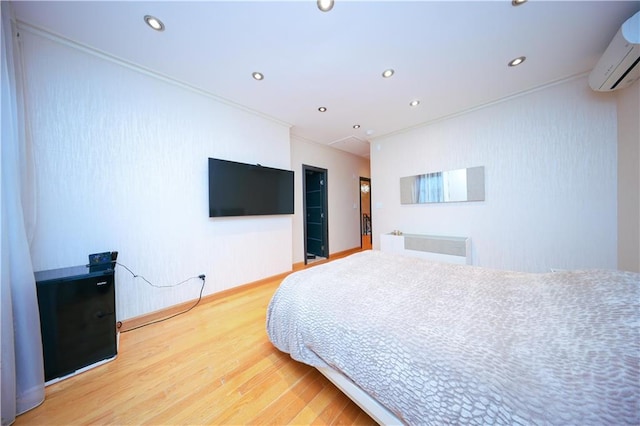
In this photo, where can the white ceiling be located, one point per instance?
(451, 55)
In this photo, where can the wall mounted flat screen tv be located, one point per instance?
(239, 189)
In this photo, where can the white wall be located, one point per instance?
(121, 164)
(629, 178)
(343, 187)
(550, 170)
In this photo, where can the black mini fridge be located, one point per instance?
(77, 319)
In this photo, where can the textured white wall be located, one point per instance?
(121, 164)
(629, 178)
(343, 176)
(550, 170)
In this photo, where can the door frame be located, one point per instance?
(360, 181)
(325, 210)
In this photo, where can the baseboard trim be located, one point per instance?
(135, 322)
(131, 323)
(300, 265)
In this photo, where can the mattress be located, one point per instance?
(439, 343)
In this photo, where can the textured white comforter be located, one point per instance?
(438, 343)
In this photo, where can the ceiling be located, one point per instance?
(450, 55)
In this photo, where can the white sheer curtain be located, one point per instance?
(429, 188)
(22, 367)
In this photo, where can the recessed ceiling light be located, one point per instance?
(517, 61)
(322, 109)
(356, 126)
(325, 5)
(414, 103)
(388, 73)
(154, 22)
(518, 2)
(257, 75)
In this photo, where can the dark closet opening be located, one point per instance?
(316, 235)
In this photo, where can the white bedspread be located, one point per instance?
(437, 343)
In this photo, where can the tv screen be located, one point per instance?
(238, 189)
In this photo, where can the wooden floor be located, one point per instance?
(212, 365)
(366, 242)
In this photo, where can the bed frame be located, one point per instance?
(369, 405)
(438, 248)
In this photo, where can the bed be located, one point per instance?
(416, 341)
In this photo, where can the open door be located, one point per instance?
(365, 213)
(316, 234)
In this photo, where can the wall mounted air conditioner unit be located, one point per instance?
(618, 67)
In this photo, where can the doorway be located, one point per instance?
(365, 213)
(316, 230)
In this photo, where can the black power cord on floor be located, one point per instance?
(201, 277)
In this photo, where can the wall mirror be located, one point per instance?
(443, 187)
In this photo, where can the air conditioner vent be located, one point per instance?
(618, 67)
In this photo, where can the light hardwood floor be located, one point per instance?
(212, 365)
(366, 242)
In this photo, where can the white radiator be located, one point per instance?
(433, 247)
